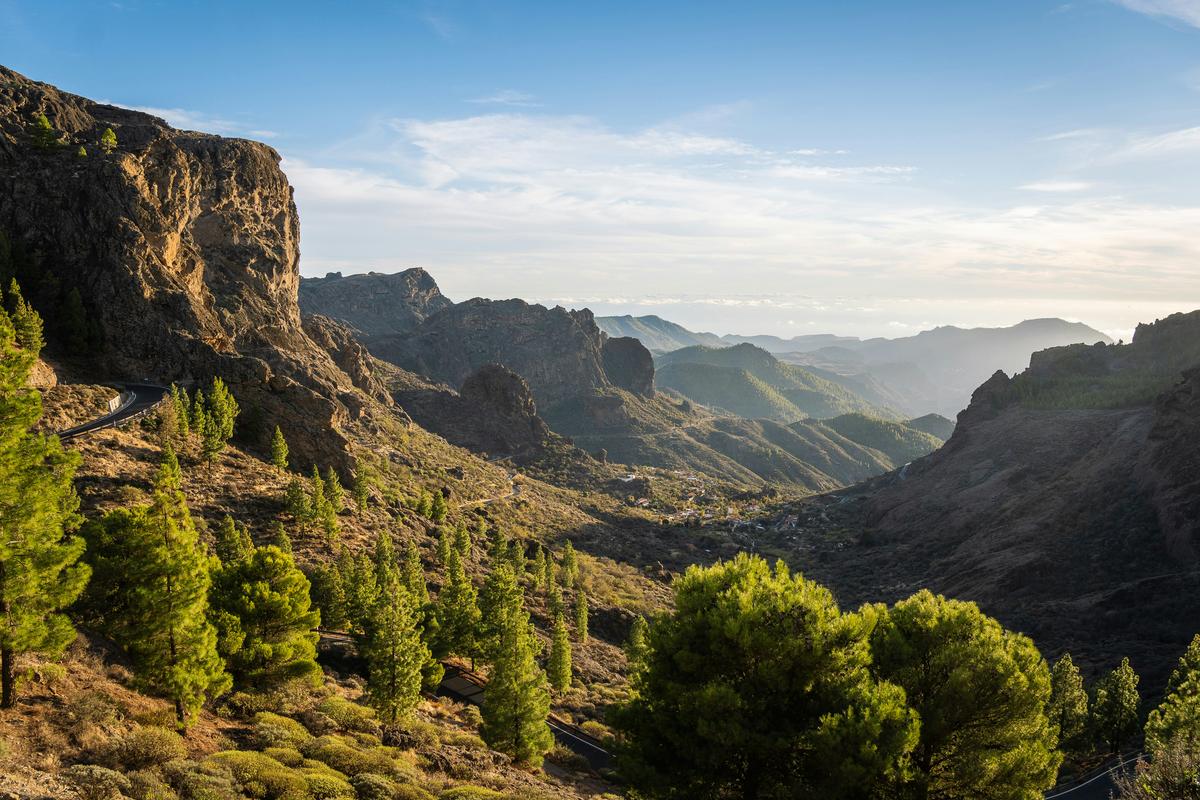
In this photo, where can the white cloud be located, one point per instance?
(507, 97)
(1170, 143)
(188, 120)
(1186, 11)
(1057, 186)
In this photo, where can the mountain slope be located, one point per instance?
(379, 304)
(934, 424)
(656, 333)
(722, 377)
(899, 441)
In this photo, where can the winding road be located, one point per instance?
(135, 399)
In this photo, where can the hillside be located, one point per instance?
(657, 334)
(1075, 522)
(750, 382)
(934, 424)
(379, 304)
(899, 441)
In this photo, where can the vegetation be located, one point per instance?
(1115, 707)
(1068, 707)
(1177, 719)
(279, 450)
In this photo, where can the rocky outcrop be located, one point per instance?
(1169, 467)
(629, 365)
(375, 304)
(183, 248)
(494, 412)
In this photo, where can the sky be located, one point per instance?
(859, 168)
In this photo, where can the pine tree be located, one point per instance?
(362, 486)
(39, 570)
(362, 592)
(516, 700)
(322, 509)
(554, 597)
(396, 656)
(279, 451)
(168, 637)
(196, 413)
(462, 542)
(581, 617)
(1177, 720)
(1115, 706)
(443, 547)
(281, 539)
(438, 507)
(26, 322)
(179, 399)
(233, 542)
(500, 594)
(333, 491)
(329, 596)
(108, 140)
(1068, 706)
(211, 443)
(638, 645)
(457, 612)
(516, 557)
(222, 409)
(81, 152)
(559, 667)
(549, 572)
(387, 576)
(414, 575)
(44, 136)
(298, 505)
(538, 571)
(570, 565)
(269, 597)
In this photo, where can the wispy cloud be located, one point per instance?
(1057, 186)
(1170, 143)
(1185, 11)
(507, 97)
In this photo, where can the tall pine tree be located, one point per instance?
(516, 700)
(457, 612)
(279, 450)
(39, 570)
(396, 655)
(559, 666)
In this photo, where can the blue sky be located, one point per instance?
(866, 168)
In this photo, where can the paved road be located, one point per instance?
(136, 399)
(1097, 784)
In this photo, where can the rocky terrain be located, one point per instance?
(181, 249)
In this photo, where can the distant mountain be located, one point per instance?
(934, 424)
(656, 333)
(898, 441)
(933, 371)
(378, 304)
(750, 382)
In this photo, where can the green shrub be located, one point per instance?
(472, 793)
(326, 784)
(412, 733)
(288, 756)
(261, 776)
(149, 746)
(409, 791)
(349, 716)
(343, 755)
(273, 730)
(208, 781)
(369, 786)
(92, 782)
(366, 739)
(463, 739)
(96, 708)
(145, 785)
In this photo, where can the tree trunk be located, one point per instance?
(8, 695)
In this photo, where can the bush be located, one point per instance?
(463, 739)
(408, 791)
(92, 782)
(339, 753)
(145, 785)
(200, 781)
(262, 777)
(149, 746)
(472, 793)
(273, 730)
(325, 784)
(369, 786)
(568, 759)
(412, 733)
(96, 708)
(349, 716)
(288, 756)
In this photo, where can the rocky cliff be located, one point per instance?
(374, 303)
(180, 249)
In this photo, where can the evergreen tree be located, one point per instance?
(516, 557)
(196, 413)
(538, 571)
(233, 542)
(396, 655)
(581, 617)
(39, 570)
(44, 136)
(167, 634)
(322, 509)
(281, 539)
(179, 400)
(333, 491)
(516, 701)
(559, 668)
(329, 596)
(443, 547)
(1115, 706)
(500, 594)
(108, 140)
(298, 505)
(26, 322)
(279, 451)
(362, 592)
(570, 565)
(980, 692)
(414, 575)
(387, 576)
(548, 579)
(462, 542)
(269, 597)
(362, 487)
(211, 443)
(81, 152)
(554, 598)
(758, 686)
(1177, 719)
(438, 507)
(222, 409)
(457, 612)
(1068, 707)
(637, 646)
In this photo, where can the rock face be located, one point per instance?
(374, 303)
(494, 412)
(629, 365)
(183, 248)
